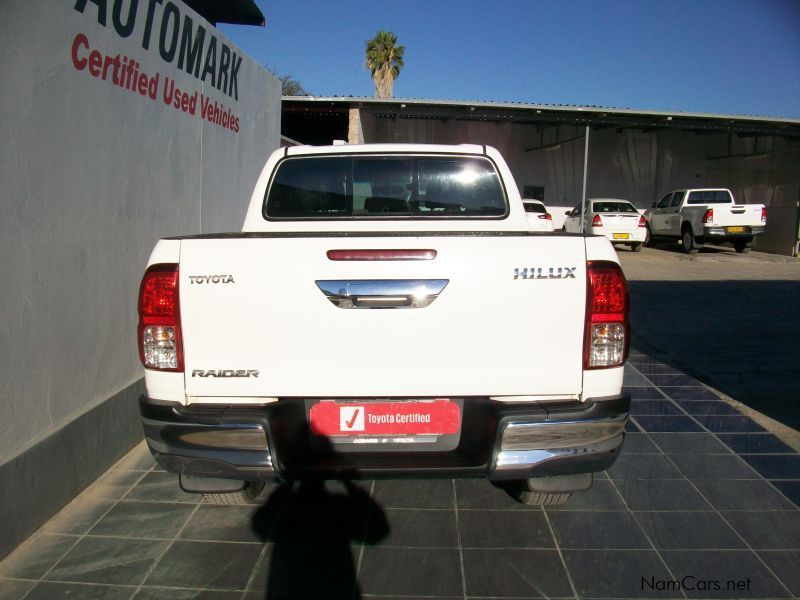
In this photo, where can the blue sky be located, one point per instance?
(732, 56)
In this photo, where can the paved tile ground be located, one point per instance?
(700, 495)
(728, 319)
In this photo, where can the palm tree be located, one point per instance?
(384, 60)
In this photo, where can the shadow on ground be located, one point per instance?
(313, 534)
(740, 337)
(676, 248)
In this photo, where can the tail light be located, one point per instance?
(709, 216)
(607, 329)
(160, 345)
(546, 216)
(597, 221)
(642, 221)
(369, 254)
(763, 214)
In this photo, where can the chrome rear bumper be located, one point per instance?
(197, 449)
(499, 441)
(572, 445)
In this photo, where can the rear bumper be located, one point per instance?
(635, 236)
(721, 234)
(499, 441)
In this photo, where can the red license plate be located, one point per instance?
(418, 417)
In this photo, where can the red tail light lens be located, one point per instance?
(158, 296)
(642, 221)
(546, 216)
(763, 214)
(159, 332)
(597, 221)
(381, 254)
(607, 329)
(709, 216)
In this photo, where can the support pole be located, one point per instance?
(585, 169)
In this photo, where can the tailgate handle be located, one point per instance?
(381, 293)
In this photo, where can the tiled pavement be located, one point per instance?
(701, 495)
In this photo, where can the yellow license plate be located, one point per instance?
(735, 229)
(621, 236)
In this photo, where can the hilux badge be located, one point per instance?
(545, 273)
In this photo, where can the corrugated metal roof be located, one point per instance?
(576, 110)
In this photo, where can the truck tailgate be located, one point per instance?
(508, 321)
(737, 215)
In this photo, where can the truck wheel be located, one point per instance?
(741, 246)
(549, 490)
(636, 247)
(540, 498)
(687, 239)
(249, 495)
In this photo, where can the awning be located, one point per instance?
(236, 12)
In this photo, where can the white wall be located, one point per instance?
(92, 175)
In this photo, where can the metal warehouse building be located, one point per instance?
(633, 154)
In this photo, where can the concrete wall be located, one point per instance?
(93, 174)
(633, 164)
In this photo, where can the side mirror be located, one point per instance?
(568, 213)
(653, 205)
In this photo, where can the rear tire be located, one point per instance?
(648, 238)
(741, 246)
(249, 495)
(687, 240)
(636, 247)
(540, 498)
(548, 490)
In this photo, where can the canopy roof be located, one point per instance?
(237, 12)
(549, 114)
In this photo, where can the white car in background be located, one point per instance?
(618, 220)
(539, 218)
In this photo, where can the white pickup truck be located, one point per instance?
(373, 319)
(697, 216)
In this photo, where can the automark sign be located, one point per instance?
(162, 28)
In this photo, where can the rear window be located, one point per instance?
(710, 197)
(613, 207)
(534, 207)
(370, 186)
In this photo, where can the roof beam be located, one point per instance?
(597, 118)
